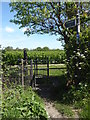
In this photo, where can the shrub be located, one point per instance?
(20, 103)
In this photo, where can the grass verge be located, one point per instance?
(64, 109)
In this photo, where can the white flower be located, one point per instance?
(80, 63)
(78, 53)
(75, 75)
(82, 55)
(77, 64)
(75, 57)
(79, 68)
(85, 51)
(78, 49)
(74, 51)
(65, 72)
(79, 83)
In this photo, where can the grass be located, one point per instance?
(77, 99)
(64, 109)
(52, 72)
(52, 65)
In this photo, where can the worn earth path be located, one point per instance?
(44, 92)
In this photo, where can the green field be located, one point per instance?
(54, 56)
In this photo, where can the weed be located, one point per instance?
(64, 109)
(20, 103)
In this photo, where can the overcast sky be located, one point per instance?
(13, 36)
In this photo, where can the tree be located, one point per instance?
(18, 49)
(9, 48)
(41, 17)
(49, 17)
(38, 49)
(45, 49)
(44, 17)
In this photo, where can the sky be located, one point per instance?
(11, 35)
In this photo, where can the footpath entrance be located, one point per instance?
(36, 70)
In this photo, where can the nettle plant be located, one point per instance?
(18, 102)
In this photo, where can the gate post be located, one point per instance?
(22, 73)
(36, 66)
(31, 70)
(47, 67)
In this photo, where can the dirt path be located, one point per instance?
(49, 105)
(52, 111)
(44, 92)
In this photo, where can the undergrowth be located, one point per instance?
(64, 109)
(18, 102)
(76, 96)
(79, 98)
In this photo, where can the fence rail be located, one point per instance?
(27, 74)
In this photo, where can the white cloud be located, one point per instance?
(9, 29)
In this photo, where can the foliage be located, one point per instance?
(49, 17)
(0, 80)
(84, 113)
(45, 17)
(78, 62)
(38, 17)
(38, 49)
(20, 103)
(11, 57)
(42, 49)
(79, 97)
(77, 93)
(64, 109)
(9, 48)
(45, 49)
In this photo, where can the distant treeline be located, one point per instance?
(9, 48)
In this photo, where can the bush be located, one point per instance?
(79, 97)
(78, 63)
(20, 103)
(84, 113)
(78, 93)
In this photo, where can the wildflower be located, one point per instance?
(80, 63)
(74, 51)
(78, 53)
(79, 68)
(82, 55)
(65, 72)
(77, 64)
(75, 75)
(85, 85)
(85, 51)
(79, 83)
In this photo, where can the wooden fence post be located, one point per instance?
(19, 74)
(47, 67)
(19, 71)
(34, 76)
(31, 70)
(22, 73)
(26, 78)
(36, 67)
